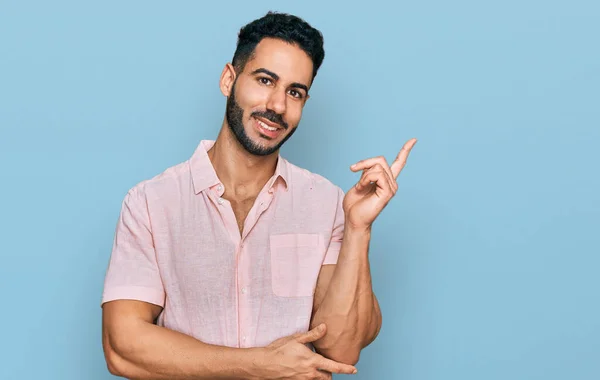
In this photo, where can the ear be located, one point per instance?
(227, 79)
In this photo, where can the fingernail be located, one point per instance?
(354, 372)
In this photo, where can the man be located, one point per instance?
(235, 263)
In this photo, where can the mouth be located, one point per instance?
(267, 128)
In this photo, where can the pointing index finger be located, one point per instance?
(400, 160)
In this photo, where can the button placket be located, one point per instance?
(241, 281)
(226, 212)
(219, 191)
(241, 275)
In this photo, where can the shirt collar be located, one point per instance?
(204, 175)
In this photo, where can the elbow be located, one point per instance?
(114, 363)
(348, 356)
(341, 353)
(120, 367)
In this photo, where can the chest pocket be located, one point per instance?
(295, 263)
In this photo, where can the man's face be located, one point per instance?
(266, 101)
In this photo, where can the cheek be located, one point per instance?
(251, 97)
(294, 113)
(257, 97)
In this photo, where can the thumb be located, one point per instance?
(312, 335)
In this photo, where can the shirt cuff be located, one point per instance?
(139, 293)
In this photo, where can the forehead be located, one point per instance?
(286, 60)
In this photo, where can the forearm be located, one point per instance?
(149, 352)
(349, 307)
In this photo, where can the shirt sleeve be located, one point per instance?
(335, 244)
(133, 269)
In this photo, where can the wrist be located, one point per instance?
(356, 240)
(259, 360)
(352, 230)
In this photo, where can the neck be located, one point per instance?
(243, 174)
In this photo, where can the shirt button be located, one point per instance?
(221, 200)
(244, 290)
(244, 338)
(220, 188)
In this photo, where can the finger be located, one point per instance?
(400, 160)
(312, 335)
(324, 375)
(334, 367)
(373, 177)
(388, 172)
(379, 178)
(375, 169)
(392, 184)
(370, 162)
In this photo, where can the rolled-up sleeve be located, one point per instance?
(133, 271)
(335, 244)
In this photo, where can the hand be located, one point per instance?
(376, 187)
(290, 358)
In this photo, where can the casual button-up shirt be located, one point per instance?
(178, 245)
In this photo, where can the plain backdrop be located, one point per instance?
(485, 263)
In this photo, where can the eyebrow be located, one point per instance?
(276, 77)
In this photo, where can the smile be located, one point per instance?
(265, 126)
(267, 130)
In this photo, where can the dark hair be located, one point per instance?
(285, 27)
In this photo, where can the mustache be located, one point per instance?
(271, 116)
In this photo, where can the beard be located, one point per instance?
(235, 114)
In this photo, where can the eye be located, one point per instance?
(296, 94)
(265, 80)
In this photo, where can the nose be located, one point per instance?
(277, 101)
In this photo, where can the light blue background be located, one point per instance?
(486, 262)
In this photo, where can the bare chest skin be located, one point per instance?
(241, 210)
(241, 205)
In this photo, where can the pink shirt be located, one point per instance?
(177, 245)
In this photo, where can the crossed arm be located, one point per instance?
(136, 348)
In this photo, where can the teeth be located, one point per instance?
(266, 126)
